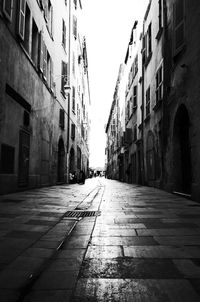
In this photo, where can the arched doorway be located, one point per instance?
(182, 170)
(61, 158)
(72, 161)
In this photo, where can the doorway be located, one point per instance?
(61, 159)
(182, 169)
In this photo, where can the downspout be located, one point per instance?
(68, 93)
(69, 78)
(142, 143)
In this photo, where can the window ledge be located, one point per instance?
(147, 119)
(157, 105)
(159, 34)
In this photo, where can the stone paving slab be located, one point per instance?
(130, 268)
(134, 290)
(125, 241)
(48, 296)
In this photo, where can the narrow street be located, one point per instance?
(102, 241)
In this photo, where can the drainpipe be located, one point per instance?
(68, 93)
(142, 143)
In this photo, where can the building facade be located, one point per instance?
(163, 129)
(40, 121)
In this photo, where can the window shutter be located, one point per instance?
(75, 27)
(41, 52)
(52, 25)
(64, 79)
(64, 35)
(73, 131)
(179, 26)
(45, 6)
(144, 49)
(44, 60)
(62, 119)
(149, 40)
(7, 9)
(51, 76)
(22, 12)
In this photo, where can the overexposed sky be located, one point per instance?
(107, 26)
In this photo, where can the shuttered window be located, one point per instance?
(148, 102)
(44, 61)
(62, 119)
(73, 100)
(179, 25)
(73, 131)
(7, 9)
(134, 97)
(159, 84)
(63, 34)
(64, 77)
(22, 11)
(41, 42)
(75, 27)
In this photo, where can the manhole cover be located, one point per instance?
(79, 214)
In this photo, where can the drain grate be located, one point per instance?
(79, 214)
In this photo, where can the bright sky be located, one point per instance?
(108, 25)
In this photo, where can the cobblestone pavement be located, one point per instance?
(102, 241)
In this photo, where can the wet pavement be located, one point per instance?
(102, 241)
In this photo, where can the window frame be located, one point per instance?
(148, 101)
(159, 84)
(22, 17)
(7, 15)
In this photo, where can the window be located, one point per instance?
(62, 119)
(44, 61)
(24, 24)
(64, 80)
(7, 159)
(159, 84)
(34, 46)
(179, 25)
(63, 34)
(148, 102)
(136, 65)
(48, 69)
(160, 14)
(75, 27)
(134, 97)
(147, 46)
(7, 9)
(73, 131)
(73, 100)
(21, 25)
(48, 14)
